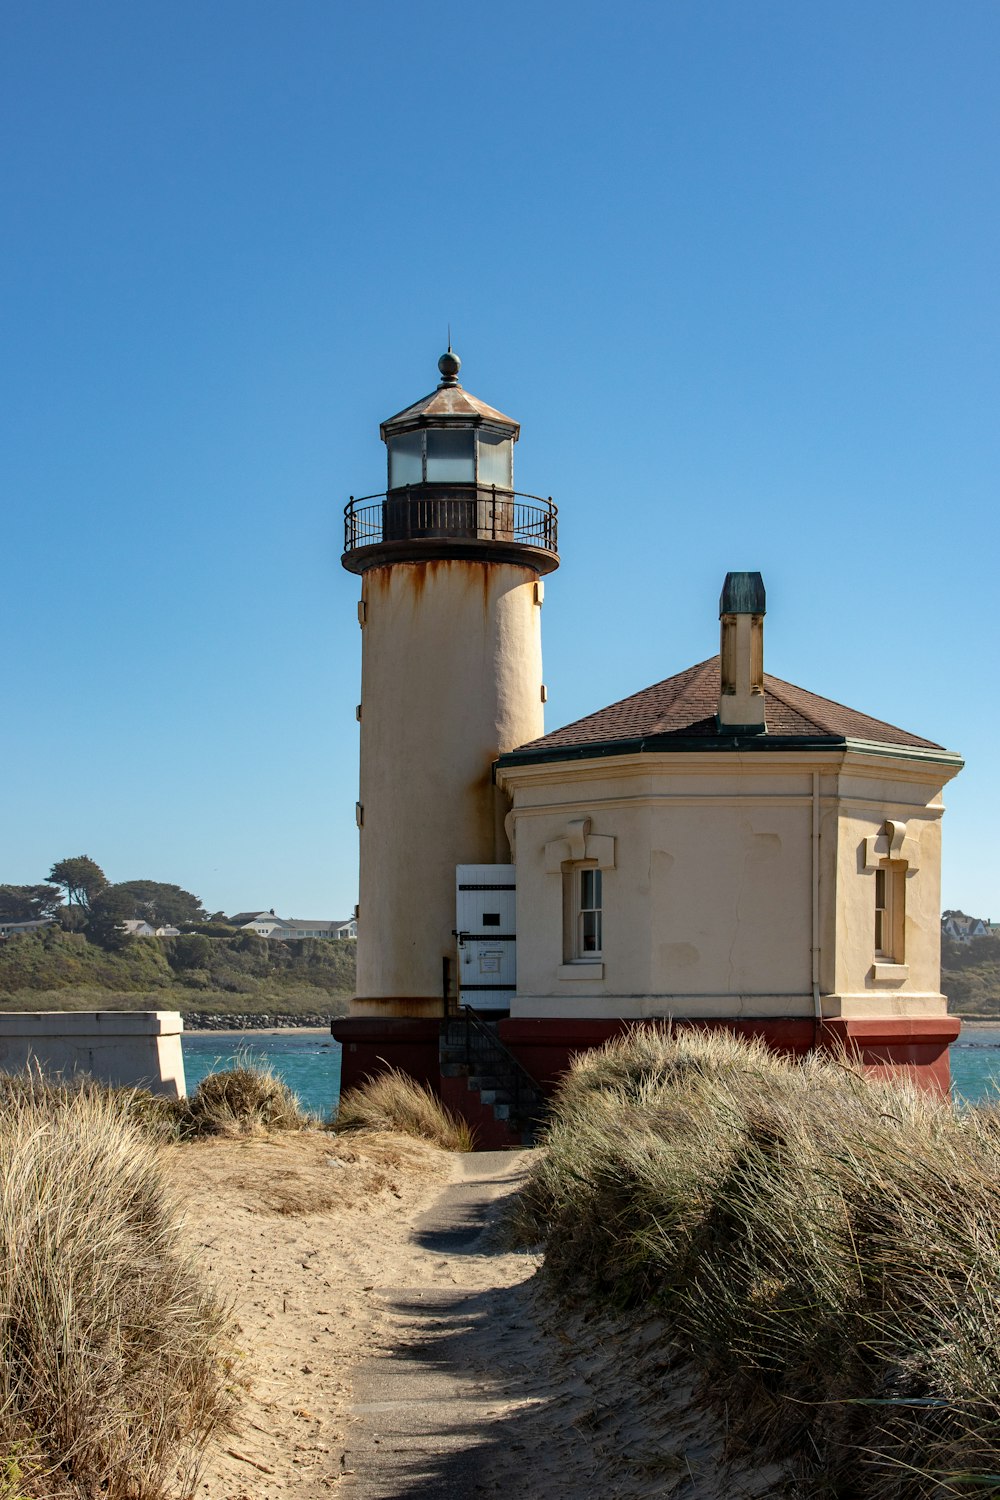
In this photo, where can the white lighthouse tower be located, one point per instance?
(450, 559)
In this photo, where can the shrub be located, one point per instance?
(970, 974)
(67, 964)
(394, 1101)
(825, 1248)
(113, 1371)
(55, 960)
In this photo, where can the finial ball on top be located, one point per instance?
(449, 364)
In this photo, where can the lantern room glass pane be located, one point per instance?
(496, 460)
(406, 459)
(451, 456)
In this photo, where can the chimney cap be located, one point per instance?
(742, 594)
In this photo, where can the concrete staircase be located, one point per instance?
(486, 1085)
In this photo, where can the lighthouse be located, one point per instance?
(450, 559)
(723, 848)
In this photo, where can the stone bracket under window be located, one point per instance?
(580, 844)
(884, 972)
(893, 843)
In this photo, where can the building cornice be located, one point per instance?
(644, 757)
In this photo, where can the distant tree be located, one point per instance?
(72, 918)
(109, 911)
(191, 951)
(159, 904)
(29, 903)
(80, 878)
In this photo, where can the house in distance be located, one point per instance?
(722, 849)
(285, 929)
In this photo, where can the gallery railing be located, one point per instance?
(474, 512)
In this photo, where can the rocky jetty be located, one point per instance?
(201, 1020)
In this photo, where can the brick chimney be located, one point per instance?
(741, 671)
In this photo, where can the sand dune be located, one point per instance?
(391, 1346)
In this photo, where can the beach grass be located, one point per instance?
(825, 1249)
(393, 1101)
(246, 1100)
(115, 1366)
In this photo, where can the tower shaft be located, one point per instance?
(450, 557)
(451, 678)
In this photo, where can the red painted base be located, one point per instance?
(372, 1045)
(545, 1048)
(917, 1047)
(490, 1134)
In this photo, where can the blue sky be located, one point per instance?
(732, 265)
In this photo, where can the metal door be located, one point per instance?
(486, 927)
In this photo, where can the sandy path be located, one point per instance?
(295, 1230)
(429, 1405)
(485, 1387)
(393, 1347)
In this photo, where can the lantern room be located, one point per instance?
(450, 437)
(450, 488)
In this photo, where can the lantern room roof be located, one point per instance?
(449, 403)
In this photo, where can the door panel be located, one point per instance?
(486, 912)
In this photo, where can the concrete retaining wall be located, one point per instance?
(126, 1048)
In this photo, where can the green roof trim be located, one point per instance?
(723, 744)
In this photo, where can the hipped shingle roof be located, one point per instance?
(684, 707)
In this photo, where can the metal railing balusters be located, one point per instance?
(399, 515)
(480, 1038)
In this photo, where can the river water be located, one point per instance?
(975, 1064)
(309, 1061)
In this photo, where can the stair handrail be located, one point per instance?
(473, 1019)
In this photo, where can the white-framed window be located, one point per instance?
(890, 910)
(583, 913)
(590, 916)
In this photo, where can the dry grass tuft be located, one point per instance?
(156, 1115)
(240, 1102)
(393, 1101)
(113, 1371)
(825, 1248)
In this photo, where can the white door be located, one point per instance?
(486, 923)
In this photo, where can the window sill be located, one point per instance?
(886, 973)
(582, 969)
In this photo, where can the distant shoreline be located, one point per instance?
(266, 1020)
(248, 1031)
(968, 1023)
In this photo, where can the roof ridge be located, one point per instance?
(788, 698)
(858, 713)
(688, 672)
(694, 677)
